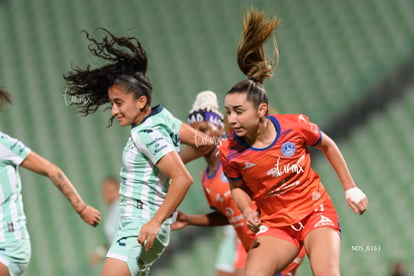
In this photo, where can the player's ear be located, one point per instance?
(141, 102)
(262, 110)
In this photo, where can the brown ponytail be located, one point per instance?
(251, 58)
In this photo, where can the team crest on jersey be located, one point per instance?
(288, 149)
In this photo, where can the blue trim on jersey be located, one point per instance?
(215, 171)
(233, 178)
(320, 138)
(277, 126)
(154, 110)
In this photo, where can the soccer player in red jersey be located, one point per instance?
(266, 160)
(206, 118)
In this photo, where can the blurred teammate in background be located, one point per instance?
(110, 195)
(15, 248)
(205, 117)
(153, 179)
(266, 160)
(227, 252)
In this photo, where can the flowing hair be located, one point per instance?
(4, 98)
(127, 65)
(251, 57)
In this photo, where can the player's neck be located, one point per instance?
(266, 133)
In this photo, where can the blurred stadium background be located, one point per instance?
(348, 65)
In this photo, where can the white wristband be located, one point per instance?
(355, 195)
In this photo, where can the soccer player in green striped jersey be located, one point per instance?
(153, 179)
(15, 248)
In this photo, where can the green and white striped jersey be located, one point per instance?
(142, 186)
(12, 217)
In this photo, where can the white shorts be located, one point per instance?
(126, 247)
(15, 255)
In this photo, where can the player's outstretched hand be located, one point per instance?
(180, 222)
(91, 216)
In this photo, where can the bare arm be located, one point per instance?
(198, 143)
(337, 161)
(192, 137)
(181, 181)
(40, 165)
(190, 153)
(244, 203)
(195, 138)
(212, 219)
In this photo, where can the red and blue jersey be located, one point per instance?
(279, 177)
(218, 195)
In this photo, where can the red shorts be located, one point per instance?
(241, 258)
(324, 216)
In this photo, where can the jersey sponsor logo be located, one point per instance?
(274, 172)
(288, 149)
(282, 189)
(147, 145)
(324, 221)
(248, 165)
(262, 229)
(159, 148)
(278, 169)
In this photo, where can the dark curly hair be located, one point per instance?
(127, 67)
(251, 58)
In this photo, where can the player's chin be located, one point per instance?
(240, 131)
(122, 122)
